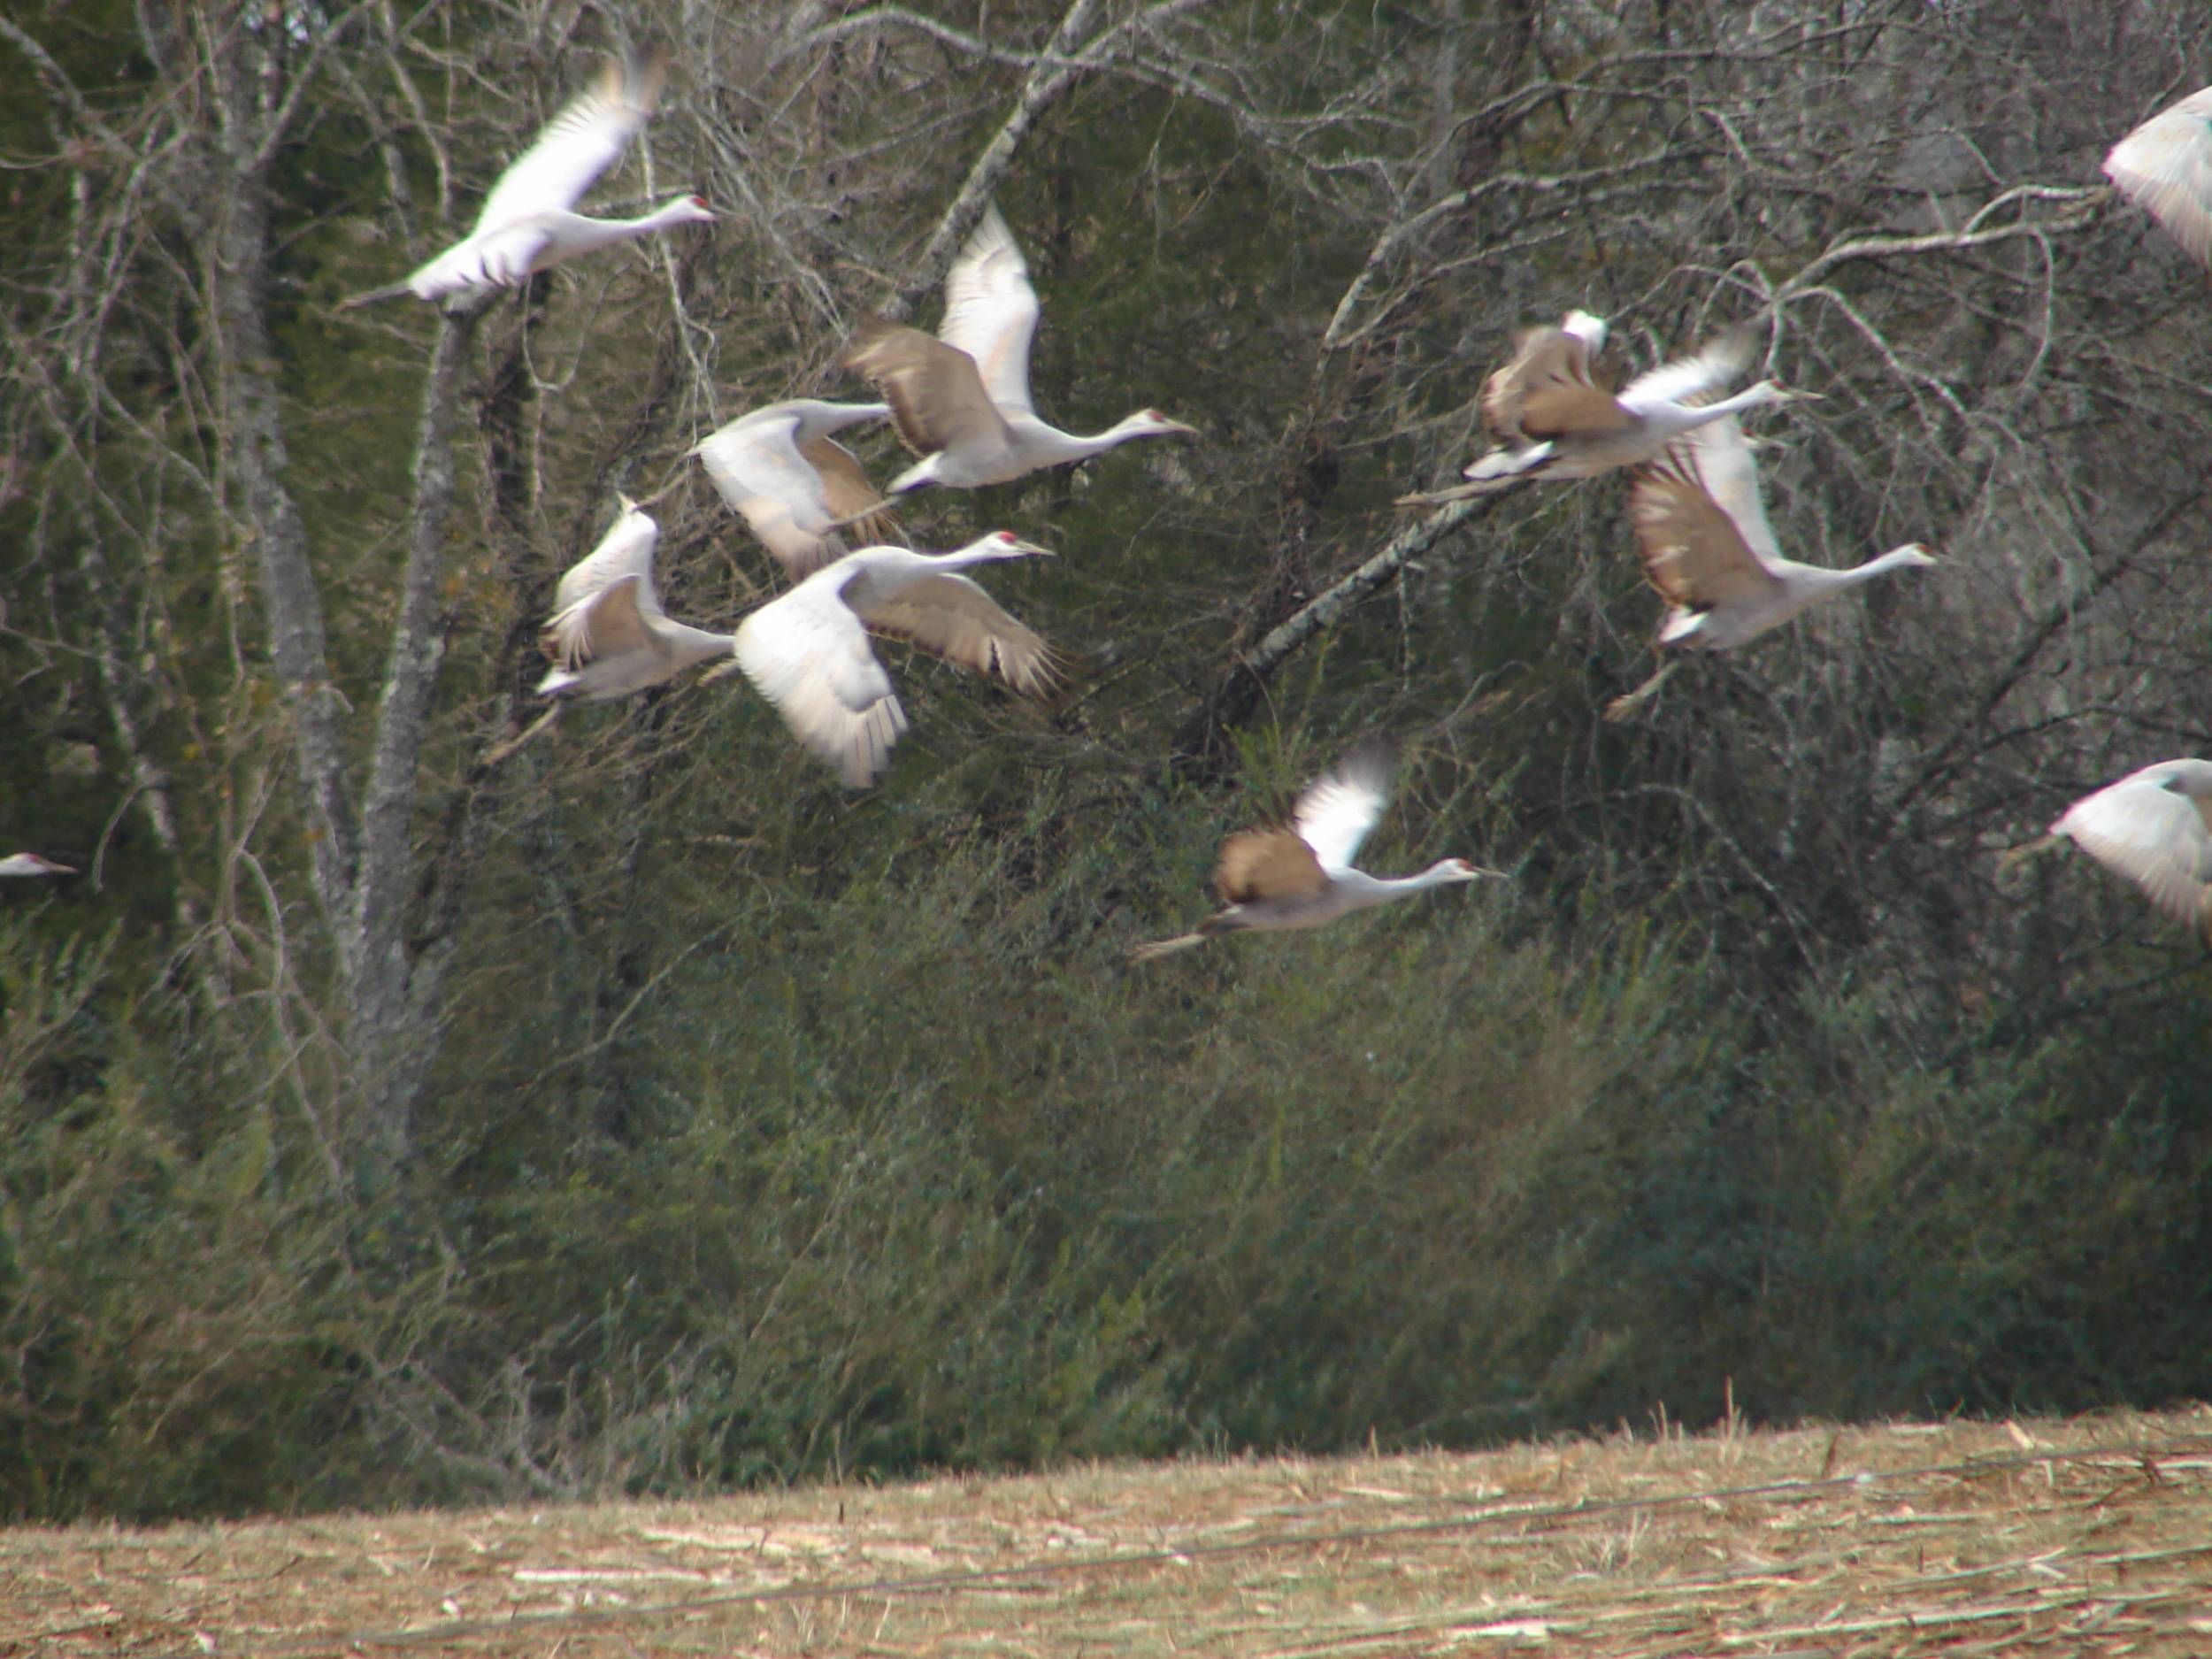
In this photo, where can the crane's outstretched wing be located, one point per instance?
(606, 622)
(1704, 371)
(851, 496)
(625, 551)
(1718, 456)
(1693, 551)
(2164, 166)
(991, 311)
(949, 616)
(1551, 369)
(935, 390)
(2143, 829)
(759, 470)
(1341, 805)
(1268, 864)
(808, 654)
(586, 138)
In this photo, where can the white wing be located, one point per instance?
(608, 622)
(754, 463)
(2165, 167)
(1704, 370)
(1722, 462)
(1588, 329)
(991, 311)
(580, 143)
(2142, 829)
(1341, 805)
(625, 551)
(808, 655)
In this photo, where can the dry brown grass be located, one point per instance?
(2086, 1537)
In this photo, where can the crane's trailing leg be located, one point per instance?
(506, 751)
(1166, 946)
(1627, 706)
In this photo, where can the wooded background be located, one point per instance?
(645, 1112)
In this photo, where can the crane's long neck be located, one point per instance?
(1681, 417)
(1827, 581)
(695, 645)
(961, 559)
(821, 420)
(1906, 557)
(1054, 446)
(1361, 889)
(581, 234)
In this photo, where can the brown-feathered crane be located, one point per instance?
(1550, 415)
(962, 400)
(1709, 550)
(1300, 874)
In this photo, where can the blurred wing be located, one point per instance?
(1692, 550)
(580, 143)
(935, 392)
(624, 552)
(757, 468)
(1705, 371)
(991, 311)
(1270, 864)
(2164, 166)
(2156, 838)
(607, 623)
(845, 486)
(948, 616)
(807, 655)
(1717, 457)
(1551, 365)
(1341, 805)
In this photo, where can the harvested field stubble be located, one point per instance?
(2086, 1537)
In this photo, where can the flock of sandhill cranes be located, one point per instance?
(960, 401)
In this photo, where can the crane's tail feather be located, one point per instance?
(543, 723)
(1167, 947)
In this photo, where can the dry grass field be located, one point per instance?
(2085, 1537)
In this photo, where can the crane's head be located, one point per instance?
(1913, 555)
(32, 864)
(688, 210)
(1776, 392)
(1151, 423)
(1004, 544)
(1461, 870)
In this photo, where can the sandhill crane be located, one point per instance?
(808, 651)
(795, 484)
(529, 220)
(962, 400)
(2154, 828)
(1300, 874)
(1551, 418)
(1707, 547)
(2164, 166)
(608, 635)
(32, 864)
